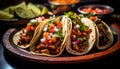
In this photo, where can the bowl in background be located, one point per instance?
(61, 6)
(95, 9)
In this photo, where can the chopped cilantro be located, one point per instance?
(83, 28)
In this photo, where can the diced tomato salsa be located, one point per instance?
(95, 10)
(51, 38)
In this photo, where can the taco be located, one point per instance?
(23, 37)
(104, 34)
(82, 36)
(51, 38)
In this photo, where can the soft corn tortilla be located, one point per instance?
(16, 39)
(39, 32)
(109, 36)
(91, 39)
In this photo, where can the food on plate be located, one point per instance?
(24, 13)
(34, 8)
(10, 10)
(23, 37)
(75, 33)
(44, 10)
(4, 15)
(51, 37)
(82, 36)
(104, 34)
(24, 10)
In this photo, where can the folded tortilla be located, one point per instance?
(91, 38)
(24, 37)
(40, 32)
(104, 38)
(16, 39)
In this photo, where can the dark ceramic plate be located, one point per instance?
(11, 22)
(65, 57)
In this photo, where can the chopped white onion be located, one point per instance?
(42, 40)
(77, 26)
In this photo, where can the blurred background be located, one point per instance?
(115, 4)
(9, 62)
(6, 3)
